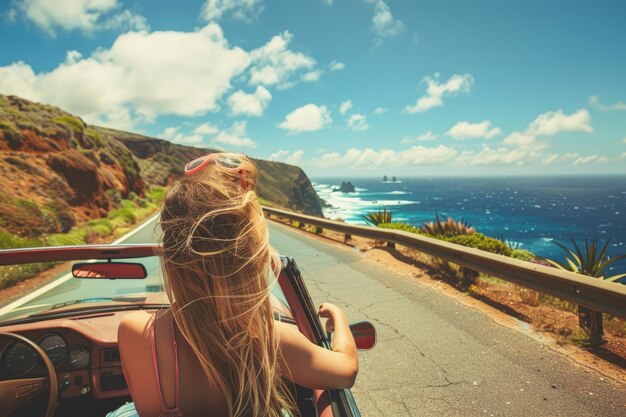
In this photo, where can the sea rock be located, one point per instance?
(346, 187)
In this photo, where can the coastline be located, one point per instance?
(529, 212)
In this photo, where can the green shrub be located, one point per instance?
(523, 255)
(400, 226)
(479, 241)
(73, 238)
(103, 227)
(9, 241)
(128, 204)
(74, 123)
(94, 136)
(156, 194)
(114, 196)
(12, 274)
(124, 213)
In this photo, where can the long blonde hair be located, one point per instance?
(216, 262)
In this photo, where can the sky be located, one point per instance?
(339, 87)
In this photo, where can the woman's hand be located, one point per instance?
(314, 366)
(333, 314)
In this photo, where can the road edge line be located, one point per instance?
(40, 291)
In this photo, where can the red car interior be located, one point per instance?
(94, 370)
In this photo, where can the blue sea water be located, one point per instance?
(531, 212)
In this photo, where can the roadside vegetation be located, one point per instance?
(120, 220)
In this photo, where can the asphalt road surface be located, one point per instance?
(435, 357)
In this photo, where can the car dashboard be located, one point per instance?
(83, 350)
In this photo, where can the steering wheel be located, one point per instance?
(15, 392)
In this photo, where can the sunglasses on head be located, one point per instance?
(218, 157)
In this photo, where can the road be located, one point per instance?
(435, 357)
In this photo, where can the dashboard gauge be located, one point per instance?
(18, 359)
(79, 358)
(55, 347)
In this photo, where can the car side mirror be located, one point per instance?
(364, 334)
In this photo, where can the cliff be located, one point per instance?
(57, 172)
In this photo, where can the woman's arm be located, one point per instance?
(312, 366)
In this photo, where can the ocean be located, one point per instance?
(529, 212)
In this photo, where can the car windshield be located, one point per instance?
(66, 293)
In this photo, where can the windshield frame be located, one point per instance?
(77, 307)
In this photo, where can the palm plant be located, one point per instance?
(379, 217)
(449, 227)
(592, 262)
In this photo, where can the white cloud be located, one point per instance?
(570, 155)
(345, 106)
(623, 156)
(424, 137)
(380, 110)
(274, 63)
(519, 139)
(206, 129)
(250, 104)
(591, 159)
(328, 2)
(553, 122)
(624, 140)
(497, 156)
(235, 136)
(245, 10)
(142, 75)
(435, 91)
(336, 66)
(371, 159)
(126, 21)
(358, 122)
(466, 130)
(84, 15)
(585, 160)
(173, 134)
(307, 118)
(383, 22)
(293, 158)
(312, 76)
(595, 102)
(550, 159)
(548, 124)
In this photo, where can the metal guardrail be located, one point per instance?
(593, 293)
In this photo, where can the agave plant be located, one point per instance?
(449, 227)
(593, 261)
(378, 217)
(510, 243)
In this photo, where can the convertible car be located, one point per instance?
(58, 345)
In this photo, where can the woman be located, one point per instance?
(218, 351)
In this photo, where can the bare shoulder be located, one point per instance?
(134, 324)
(288, 333)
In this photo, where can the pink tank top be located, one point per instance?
(165, 412)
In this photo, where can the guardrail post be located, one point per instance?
(591, 321)
(347, 237)
(391, 245)
(318, 230)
